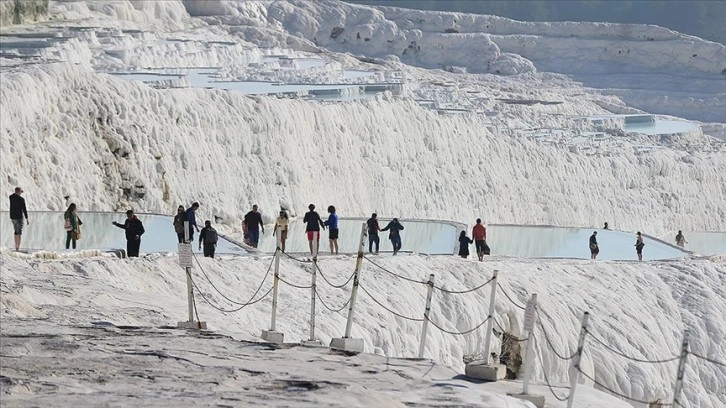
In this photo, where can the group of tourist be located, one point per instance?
(253, 225)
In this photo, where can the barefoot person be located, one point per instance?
(333, 232)
(72, 226)
(479, 233)
(594, 247)
(17, 211)
(394, 235)
(312, 226)
(281, 222)
(639, 244)
(464, 243)
(681, 240)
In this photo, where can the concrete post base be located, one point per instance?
(272, 336)
(487, 372)
(192, 325)
(348, 344)
(312, 343)
(537, 400)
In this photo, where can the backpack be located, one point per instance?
(210, 237)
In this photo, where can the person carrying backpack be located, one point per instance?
(208, 238)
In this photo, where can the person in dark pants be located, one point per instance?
(134, 230)
(479, 233)
(373, 229)
(333, 231)
(639, 244)
(192, 218)
(464, 243)
(17, 210)
(594, 247)
(313, 222)
(208, 237)
(395, 235)
(72, 225)
(253, 223)
(179, 219)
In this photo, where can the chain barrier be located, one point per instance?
(621, 354)
(511, 337)
(234, 302)
(459, 333)
(549, 342)
(413, 319)
(251, 302)
(393, 273)
(330, 283)
(547, 380)
(458, 292)
(707, 359)
(610, 390)
(328, 307)
(294, 285)
(296, 259)
(508, 297)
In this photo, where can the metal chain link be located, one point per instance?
(393, 273)
(413, 319)
(459, 333)
(508, 297)
(458, 292)
(330, 283)
(621, 354)
(231, 310)
(222, 294)
(547, 380)
(294, 285)
(328, 307)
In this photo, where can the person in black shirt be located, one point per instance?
(134, 230)
(208, 237)
(253, 222)
(464, 243)
(594, 247)
(179, 219)
(395, 235)
(17, 210)
(312, 225)
(373, 229)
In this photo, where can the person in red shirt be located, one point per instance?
(479, 233)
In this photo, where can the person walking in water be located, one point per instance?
(464, 243)
(253, 223)
(282, 222)
(373, 229)
(192, 218)
(72, 226)
(208, 237)
(681, 240)
(312, 226)
(639, 244)
(134, 230)
(394, 235)
(594, 247)
(179, 219)
(17, 211)
(333, 232)
(479, 234)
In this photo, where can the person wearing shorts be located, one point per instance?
(332, 224)
(313, 223)
(282, 222)
(253, 222)
(17, 211)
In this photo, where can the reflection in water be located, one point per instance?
(46, 232)
(556, 242)
(428, 237)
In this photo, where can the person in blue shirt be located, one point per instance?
(395, 235)
(192, 218)
(332, 224)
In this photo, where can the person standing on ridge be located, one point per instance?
(373, 229)
(134, 230)
(253, 222)
(639, 244)
(464, 243)
(312, 225)
(681, 240)
(72, 226)
(282, 222)
(479, 234)
(17, 211)
(179, 219)
(594, 247)
(333, 232)
(192, 218)
(208, 237)
(395, 235)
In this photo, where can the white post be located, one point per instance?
(277, 279)
(528, 331)
(190, 292)
(488, 336)
(425, 327)
(681, 369)
(312, 287)
(575, 368)
(356, 277)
